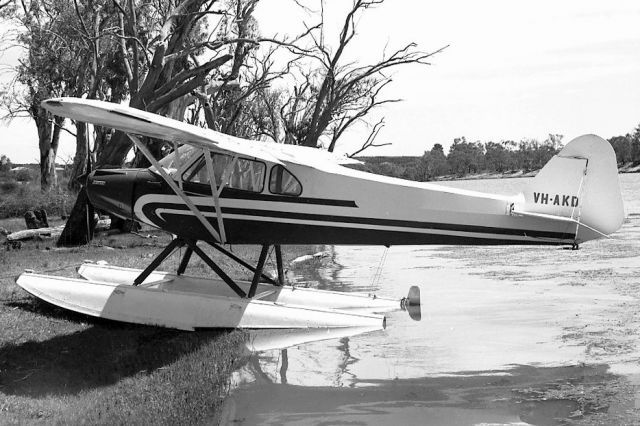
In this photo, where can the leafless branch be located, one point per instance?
(56, 124)
(370, 142)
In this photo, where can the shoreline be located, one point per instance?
(513, 175)
(61, 367)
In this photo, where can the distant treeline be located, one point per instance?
(467, 158)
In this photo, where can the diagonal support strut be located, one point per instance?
(258, 272)
(197, 250)
(158, 260)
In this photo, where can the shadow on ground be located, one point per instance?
(100, 355)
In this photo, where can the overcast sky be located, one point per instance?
(514, 69)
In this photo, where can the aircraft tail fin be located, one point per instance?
(578, 185)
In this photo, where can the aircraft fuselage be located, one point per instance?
(341, 206)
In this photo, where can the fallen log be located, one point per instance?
(51, 232)
(28, 234)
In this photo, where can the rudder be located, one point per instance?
(580, 183)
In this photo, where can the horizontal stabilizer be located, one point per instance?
(558, 219)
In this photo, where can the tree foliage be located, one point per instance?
(627, 148)
(5, 164)
(432, 164)
(465, 158)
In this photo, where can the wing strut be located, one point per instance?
(207, 225)
(214, 192)
(219, 237)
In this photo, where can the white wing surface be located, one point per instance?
(135, 121)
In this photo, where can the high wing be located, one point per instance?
(138, 122)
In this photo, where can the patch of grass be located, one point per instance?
(59, 367)
(118, 374)
(8, 187)
(17, 198)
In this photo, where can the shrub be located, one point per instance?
(29, 197)
(23, 175)
(9, 186)
(5, 164)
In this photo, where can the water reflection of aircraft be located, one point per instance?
(223, 190)
(313, 353)
(266, 340)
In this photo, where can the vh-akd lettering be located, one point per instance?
(555, 200)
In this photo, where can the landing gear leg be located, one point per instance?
(158, 260)
(279, 265)
(258, 272)
(185, 260)
(192, 248)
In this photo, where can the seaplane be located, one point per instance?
(214, 189)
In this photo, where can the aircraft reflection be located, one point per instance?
(266, 340)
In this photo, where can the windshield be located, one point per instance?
(238, 173)
(169, 163)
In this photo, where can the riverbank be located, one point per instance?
(58, 367)
(626, 168)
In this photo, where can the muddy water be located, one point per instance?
(508, 335)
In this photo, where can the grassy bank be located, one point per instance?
(57, 367)
(18, 197)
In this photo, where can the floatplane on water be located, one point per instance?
(217, 189)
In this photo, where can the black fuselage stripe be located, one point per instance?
(274, 214)
(230, 193)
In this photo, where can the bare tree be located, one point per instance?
(171, 58)
(336, 94)
(370, 142)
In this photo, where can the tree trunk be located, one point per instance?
(176, 28)
(80, 226)
(48, 139)
(115, 152)
(47, 149)
(80, 159)
(154, 146)
(78, 229)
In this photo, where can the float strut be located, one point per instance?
(231, 255)
(158, 260)
(258, 272)
(217, 269)
(185, 260)
(279, 264)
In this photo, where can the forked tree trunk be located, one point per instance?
(80, 158)
(48, 139)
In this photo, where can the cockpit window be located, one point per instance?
(169, 163)
(283, 182)
(240, 173)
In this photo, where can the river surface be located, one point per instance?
(507, 335)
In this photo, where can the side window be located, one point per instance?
(283, 182)
(243, 174)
